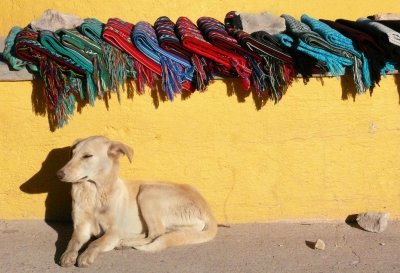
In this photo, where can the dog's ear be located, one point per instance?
(117, 148)
(76, 141)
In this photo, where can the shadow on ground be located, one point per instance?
(58, 200)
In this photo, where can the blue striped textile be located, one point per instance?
(335, 38)
(175, 70)
(334, 63)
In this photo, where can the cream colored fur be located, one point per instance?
(143, 215)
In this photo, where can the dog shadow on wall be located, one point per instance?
(58, 200)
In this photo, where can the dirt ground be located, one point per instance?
(36, 246)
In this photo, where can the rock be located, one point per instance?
(373, 221)
(319, 244)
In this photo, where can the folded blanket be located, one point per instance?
(51, 42)
(167, 39)
(391, 51)
(263, 21)
(117, 33)
(193, 40)
(217, 35)
(209, 29)
(174, 69)
(118, 65)
(283, 65)
(393, 24)
(311, 43)
(62, 79)
(392, 35)
(76, 42)
(9, 52)
(364, 42)
(360, 66)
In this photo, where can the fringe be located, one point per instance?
(171, 82)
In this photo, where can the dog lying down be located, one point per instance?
(148, 216)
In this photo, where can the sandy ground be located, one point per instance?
(36, 246)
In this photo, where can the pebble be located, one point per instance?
(319, 244)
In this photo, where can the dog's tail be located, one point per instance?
(183, 236)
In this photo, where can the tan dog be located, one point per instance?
(145, 216)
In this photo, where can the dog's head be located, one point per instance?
(92, 158)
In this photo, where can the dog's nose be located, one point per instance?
(60, 174)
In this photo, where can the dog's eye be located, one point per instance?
(86, 156)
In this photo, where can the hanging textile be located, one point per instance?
(62, 79)
(277, 64)
(9, 52)
(175, 70)
(215, 33)
(51, 42)
(193, 40)
(117, 33)
(391, 51)
(364, 42)
(115, 66)
(392, 36)
(311, 43)
(165, 30)
(360, 67)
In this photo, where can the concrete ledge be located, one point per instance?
(34, 246)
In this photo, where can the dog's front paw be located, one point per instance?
(87, 258)
(68, 258)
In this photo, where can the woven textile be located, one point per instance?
(360, 66)
(391, 51)
(215, 33)
(167, 39)
(9, 52)
(311, 43)
(393, 24)
(62, 79)
(51, 42)
(392, 35)
(365, 43)
(175, 70)
(193, 40)
(118, 33)
(277, 64)
(115, 65)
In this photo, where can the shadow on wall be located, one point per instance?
(233, 88)
(58, 201)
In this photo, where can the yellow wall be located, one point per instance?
(314, 155)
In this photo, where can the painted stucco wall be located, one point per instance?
(318, 154)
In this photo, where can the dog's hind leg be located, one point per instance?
(180, 236)
(129, 242)
(80, 236)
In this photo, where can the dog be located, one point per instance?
(148, 216)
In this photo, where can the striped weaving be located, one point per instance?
(360, 65)
(118, 65)
(167, 39)
(215, 33)
(175, 70)
(117, 32)
(192, 39)
(61, 77)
